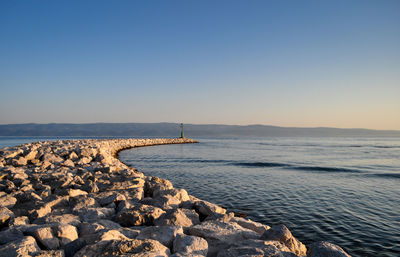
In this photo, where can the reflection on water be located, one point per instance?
(341, 190)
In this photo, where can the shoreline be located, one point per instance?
(76, 198)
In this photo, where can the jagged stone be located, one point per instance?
(133, 247)
(93, 214)
(73, 156)
(21, 161)
(51, 158)
(22, 220)
(131, 233)
(69, 163)
(153, 184)
(106, 198)
(76, 192)
(5, 216)
(46, 208)
(139, 215)
(71, 248)
(325, 249)
(66, 233)
(178, 217)
(84, 201)
(28, 196)
(255, 247)
(90, 232)
(282, 234)
(206, 208)
(162, 234)
(163, 202)
(9, 235)
(7, 201)
(179, 194)
(113, 235)
(221, 235)
(22, 247)
(108, 224)
(91, 187)
(220, 217)
(252, 225)
(46, 237)
(190, 245)
(59, 219)
(31, 155)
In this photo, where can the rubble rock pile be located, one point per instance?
(75, 198)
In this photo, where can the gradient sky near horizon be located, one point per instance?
(287, 63)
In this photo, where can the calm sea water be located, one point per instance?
(342, 190)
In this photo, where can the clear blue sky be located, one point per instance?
(289, 63)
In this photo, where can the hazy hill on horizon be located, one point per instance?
(191, 130)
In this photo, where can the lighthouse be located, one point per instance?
(182, 136)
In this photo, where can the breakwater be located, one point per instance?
(75, 198)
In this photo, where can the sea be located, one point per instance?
(342, 190)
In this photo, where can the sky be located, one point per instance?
(286, 63)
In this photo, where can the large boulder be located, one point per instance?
(255, 247)
(178, 217)
(71, 248)
(66, 233)
(206, 208)
(148, 247)
(113, 235)
(59, 219)
(139, 215)
(162, 234)
(252, 225)
(325, 249)
(90, 232)
(25, 246)
(190, 245)
(153, 184)
(7, 201)
(221, 235)
(106, 198)
(76, 192)
(9, 235)
(5, 216)
(93, 214)
(77, 203)
(46, 237)
(282, 234)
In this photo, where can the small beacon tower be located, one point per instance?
(182, 136)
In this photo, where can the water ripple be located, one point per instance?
(337, 194)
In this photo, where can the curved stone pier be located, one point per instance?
(75, 198)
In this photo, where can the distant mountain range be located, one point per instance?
(191, 130)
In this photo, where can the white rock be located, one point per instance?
(190, 245)
(252, 225)
(113, 235)
(282, 234)
(66, 233)
(163, 234)
(22, 247)
(221, 235)
(76, 192)
(325, 249)
(46, 237)
(139, 248)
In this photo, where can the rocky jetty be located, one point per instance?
(75, 198)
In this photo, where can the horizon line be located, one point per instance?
(197, 124)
